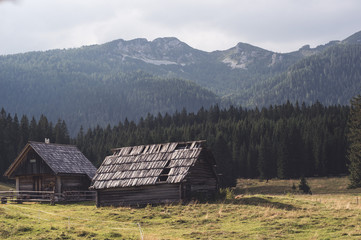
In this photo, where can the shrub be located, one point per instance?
(303, 186)
(226, 194)
(293, 187)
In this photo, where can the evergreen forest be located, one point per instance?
(282, 141)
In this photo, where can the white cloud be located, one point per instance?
(279, 25)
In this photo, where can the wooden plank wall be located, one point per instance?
(28, 168)
(26, 183)
(48, 183)
(160, 193)
(202, 179)
(69, 183)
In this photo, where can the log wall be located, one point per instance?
(33, 164)
(77, 182)
(26, 183)
(201, 180)
(50, 183)
(160, 193)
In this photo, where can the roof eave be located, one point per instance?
(17, 161)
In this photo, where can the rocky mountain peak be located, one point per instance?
(169, 41)
(243, 55)
(160, 51)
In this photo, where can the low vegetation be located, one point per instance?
(259, 210)
(6, 186)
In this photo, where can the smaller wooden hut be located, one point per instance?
(51, 167)
(158, 173)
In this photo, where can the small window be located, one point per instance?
(181, 146)
(165, 171)
(163, 177)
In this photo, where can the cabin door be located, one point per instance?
(36, 183)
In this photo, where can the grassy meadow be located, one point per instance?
(6, 187)
(260, 210)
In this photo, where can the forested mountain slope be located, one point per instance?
(90, 100)
(332, 77)
(106, 83)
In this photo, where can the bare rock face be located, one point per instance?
(161, 51)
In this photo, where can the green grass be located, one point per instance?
(6, 187)
(331, 214)
(321, 185)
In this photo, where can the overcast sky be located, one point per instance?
(277, 25)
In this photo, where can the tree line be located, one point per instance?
(283, 141)
(354, 139)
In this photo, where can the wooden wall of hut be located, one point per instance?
(46, 182)
(159, 193)
(74, 182)
(24, 183)
(201, 180)
(33, 164)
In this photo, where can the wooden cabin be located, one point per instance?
(51, 167)
(158, 173)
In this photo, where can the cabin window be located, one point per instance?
(163, 177)
(182, 146)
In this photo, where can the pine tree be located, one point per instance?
(264, 159)
(222, 154)
(354, 138)
(61, 132)
(24, 131)
(303, 186)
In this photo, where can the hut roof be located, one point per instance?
(62, 159)
(147, 164)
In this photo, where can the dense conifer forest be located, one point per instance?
(284, 141)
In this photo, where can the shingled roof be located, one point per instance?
(62, 159)
(147, 164)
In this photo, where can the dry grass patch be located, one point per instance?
(250, 216)
(6, 187)
(323, 185)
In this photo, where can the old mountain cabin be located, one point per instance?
(51, 167)
(158, 173)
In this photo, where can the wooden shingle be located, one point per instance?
(143, 165)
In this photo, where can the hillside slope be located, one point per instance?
(106, 83)
(86, 100)
(331, 77)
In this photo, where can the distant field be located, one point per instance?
(250, 216)
(322, 185)
(6, 187)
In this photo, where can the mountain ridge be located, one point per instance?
(114, 77)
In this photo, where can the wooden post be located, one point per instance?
(52, 198)
(17, 184)
(97, 199)
(58, 184)
(140, 231)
